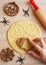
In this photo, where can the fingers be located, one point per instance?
(34, 54)
(35, 45)
(44, 39)
(42, 42)
(36, 40)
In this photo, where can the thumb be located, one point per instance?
(34, 54)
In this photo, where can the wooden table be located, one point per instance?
(3, 41)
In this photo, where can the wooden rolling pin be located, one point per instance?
(39, 14)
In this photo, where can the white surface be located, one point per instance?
(3, 41)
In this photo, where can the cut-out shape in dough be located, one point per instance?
(24, 43)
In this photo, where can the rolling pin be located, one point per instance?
(39, 14)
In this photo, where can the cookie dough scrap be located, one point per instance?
(22, 29)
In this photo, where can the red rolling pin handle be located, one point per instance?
(40, 15)
(34, 4)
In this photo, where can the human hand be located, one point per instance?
(40, 48)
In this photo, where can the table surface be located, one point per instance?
(23, 4)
